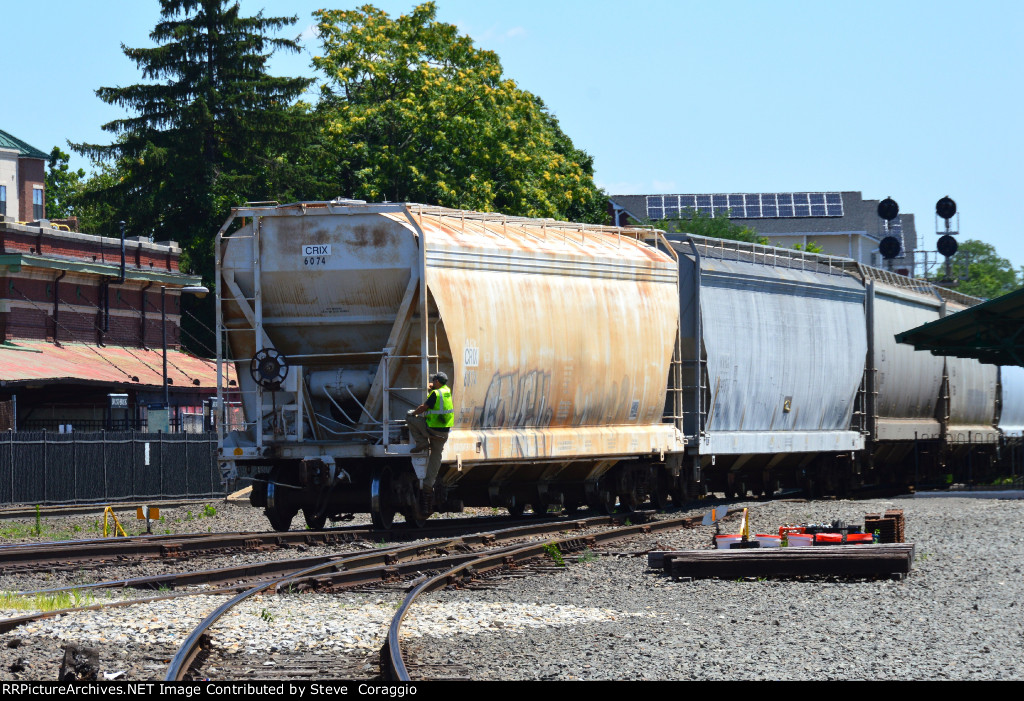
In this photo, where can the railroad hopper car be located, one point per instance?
(926, 413)
(797, 379)
(557, 339)
(773, 348)
(1011, 415)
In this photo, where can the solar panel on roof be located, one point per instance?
(749, 205)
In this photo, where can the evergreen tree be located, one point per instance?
(210, 130)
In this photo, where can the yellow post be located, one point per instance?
(117, 524)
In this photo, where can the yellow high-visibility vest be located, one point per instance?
(443, 417)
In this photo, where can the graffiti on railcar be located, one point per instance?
(515, 400)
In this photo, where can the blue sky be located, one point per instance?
(908, 99)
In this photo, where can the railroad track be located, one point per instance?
(198, 652)
(466, 559)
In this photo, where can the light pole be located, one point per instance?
(200, 292)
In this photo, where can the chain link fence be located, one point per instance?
(41, 467)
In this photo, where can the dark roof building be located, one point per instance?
(842, 223)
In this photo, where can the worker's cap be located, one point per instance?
(439, 377)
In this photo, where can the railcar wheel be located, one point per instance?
(680, 491)
(414, 518)
(516, 509)
(280, 518)
(278, 511)
(606, 502)
(316, 521)
(571, 506)
(631, 500)
(382, 509)
(659, 481)
(407, 486)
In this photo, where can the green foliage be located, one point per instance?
(63, 185)
(209, 511)
(587, 556)
(210, 128)
(267, 616)
(811, 247)
(698, 223)
(414, 112)
(555, 554)
(988, 274)
(41, 601)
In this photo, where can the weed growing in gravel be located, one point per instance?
(46, 602)
(209, 511)
(267, 616)
(586, 556)
(40, 529)
(555, 554)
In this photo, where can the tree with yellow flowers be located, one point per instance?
(413, 111)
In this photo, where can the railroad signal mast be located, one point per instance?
(945, 209)
(890, 246)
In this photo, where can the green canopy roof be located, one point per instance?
(992, 332)
(27, 150)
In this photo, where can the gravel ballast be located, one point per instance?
(956, 616)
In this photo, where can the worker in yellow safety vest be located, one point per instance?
(432, 432)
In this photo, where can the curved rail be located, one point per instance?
(354, 572)
(392, 663)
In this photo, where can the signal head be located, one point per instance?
(945, 207)
(889, 247)
(947, 245)
(888, 209)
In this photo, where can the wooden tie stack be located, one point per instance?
(890, 526)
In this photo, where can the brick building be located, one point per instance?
(22, 180)
(79, 322)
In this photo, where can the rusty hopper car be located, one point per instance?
(558, 339)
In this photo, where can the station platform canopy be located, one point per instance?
(992, 332)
